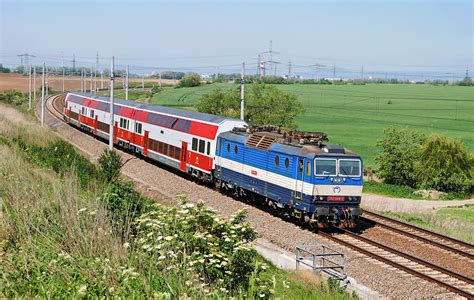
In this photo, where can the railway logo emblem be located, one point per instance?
(336, 189)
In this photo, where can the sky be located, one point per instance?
(376, 35)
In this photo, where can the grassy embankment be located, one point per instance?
(68, 232)
(457, 222)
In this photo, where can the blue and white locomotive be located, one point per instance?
(296, 174)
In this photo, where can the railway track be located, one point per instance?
(424, 235)
(454, 282)
(459, 284)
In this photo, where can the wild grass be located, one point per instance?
(391, 190)
(457, 222)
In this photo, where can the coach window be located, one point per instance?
(277, 160)
(208, 148)
(165, 150)
(171, 151)
(202, 145)
(177, 153)
(287, 163)
(92, 114)
(138, 128)
(160, 147)
(195, 144)
(83, 111)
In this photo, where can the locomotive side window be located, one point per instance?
(277, 160)
(325, 167)
(287, 163)
(308, 168)
(236, 149)
(202, 145)
(349, 167)
(228, 148)
(195, 144)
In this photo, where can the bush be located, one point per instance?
(400, 151)
(13, 97)
(190, 80)
(445, 165)
(110, 164)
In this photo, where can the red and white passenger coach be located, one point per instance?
(184, 140)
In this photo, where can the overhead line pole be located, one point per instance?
(92, 81)
(34, 83)
(42, 96)
(242, 92)
(29, 89)
(62, 65)
(126, 82)
(111, 109)
(47, 83)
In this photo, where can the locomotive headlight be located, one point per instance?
(320, 198)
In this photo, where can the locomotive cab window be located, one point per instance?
(195, 144)
(325, 167)
(228, 148)
(349, 167)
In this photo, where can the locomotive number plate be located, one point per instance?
(335, 198)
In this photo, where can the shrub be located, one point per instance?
(400, 151)
(445, 165)
(13, 97)
(110, 164)
(190, 80)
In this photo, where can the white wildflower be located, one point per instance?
(224, 290)
(261, 295)
(168, 238)
(82, 289)
(126, 245)
(82, 210)
(161, 257)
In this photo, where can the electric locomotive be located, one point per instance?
(296, 174)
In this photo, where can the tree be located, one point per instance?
(400, 152)
(190, 80)
(445, 165)
(4, 69)
(264, 105)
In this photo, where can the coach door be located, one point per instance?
(184, 154)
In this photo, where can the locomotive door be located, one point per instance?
(184, 153)
(300, 178)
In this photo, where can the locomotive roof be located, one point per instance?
(162, 109)
(304, 150)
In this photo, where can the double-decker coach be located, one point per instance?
(184, 140)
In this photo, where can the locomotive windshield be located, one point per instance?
(342, 167)
(326, 167)
(349, 167)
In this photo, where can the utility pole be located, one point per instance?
(34, 83)
(159, 77)
(42, 97)
(126, 82)
(62, 65)
(111, 109)
(143, 81)
(334, 72)
(289, 70)
(73, 63)
(92, 81)
(29, 89)
(101, 80)
(82, 71)
(242, 92)
(25, 61)
(47, 82)
(362, 73)
(95, 73)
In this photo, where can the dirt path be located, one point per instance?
(383, 203)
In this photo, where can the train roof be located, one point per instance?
(161, 109)
(275, 142)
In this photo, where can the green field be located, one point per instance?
(356, 115)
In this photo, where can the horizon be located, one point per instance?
(425, 38)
